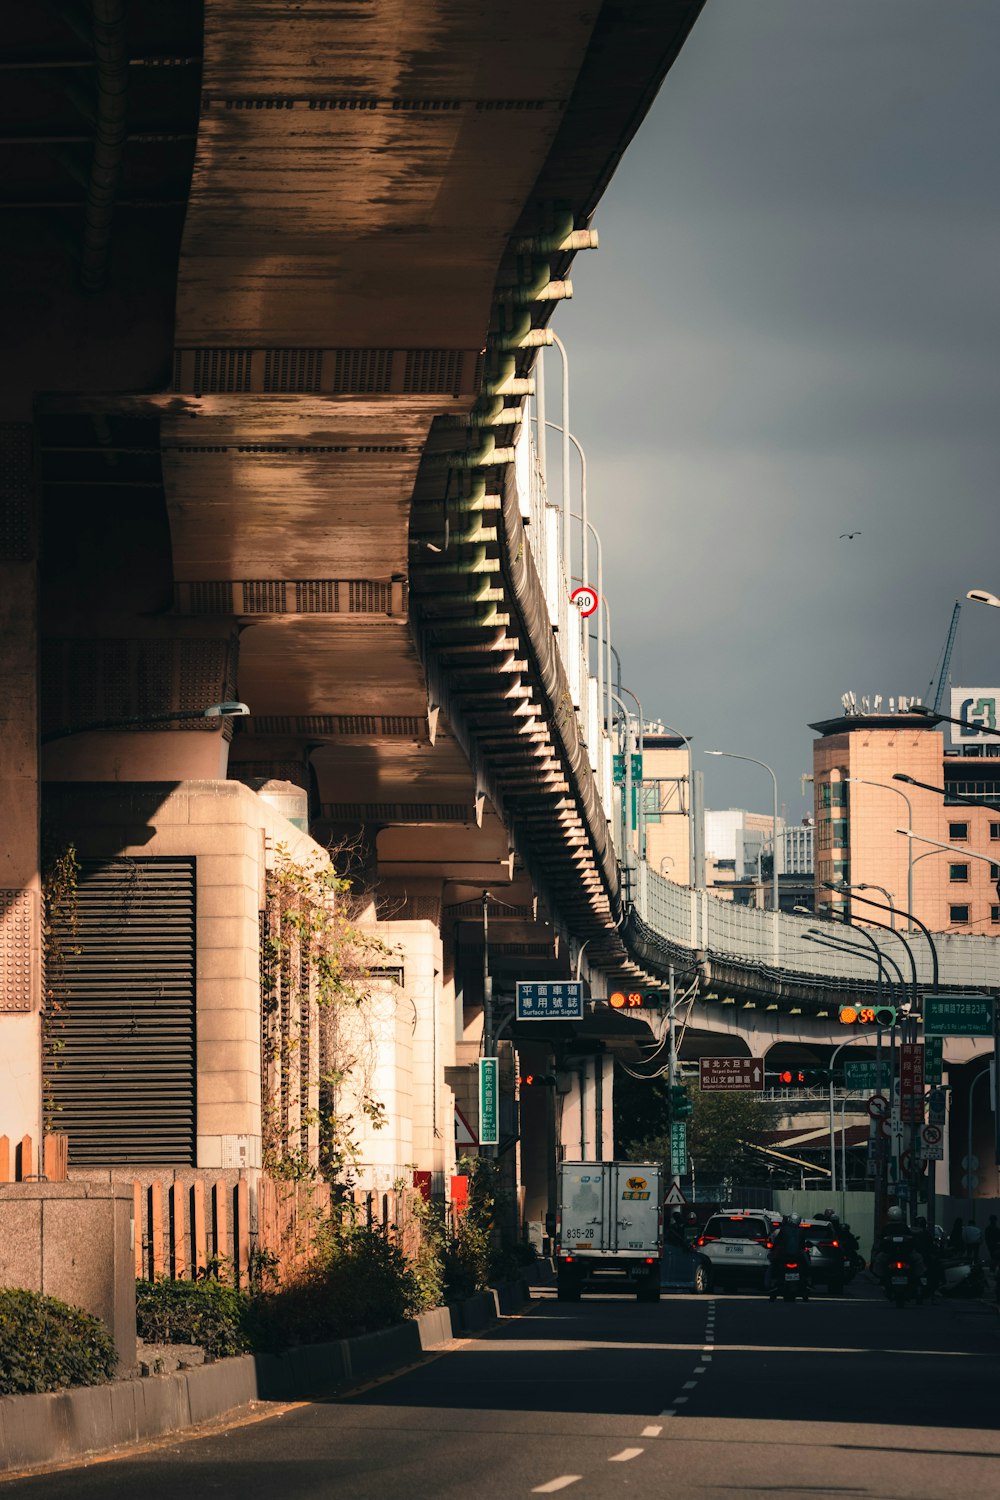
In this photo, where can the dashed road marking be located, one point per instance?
(689, 1385)
(651, 1432)
(556, 1484)
(679, 1400)
(624, 1456)
(699, 1369)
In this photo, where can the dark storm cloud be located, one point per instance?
(790, 331)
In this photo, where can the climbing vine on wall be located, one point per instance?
(60, 890)
(318, 970)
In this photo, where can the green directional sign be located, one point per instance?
(489, 1120)
(933, 1059)
(864, 1073)
(958, 1015)
(618, 767)
(678, 1148)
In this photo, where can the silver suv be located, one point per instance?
(735, 1246)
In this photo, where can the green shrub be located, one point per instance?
(360, 1281)
(47, 1346)
(208, 1313)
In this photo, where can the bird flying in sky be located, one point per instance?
(850, 535)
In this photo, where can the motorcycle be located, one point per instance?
(790, 1279)
(902, 1281)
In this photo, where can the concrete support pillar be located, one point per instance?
(20, 880)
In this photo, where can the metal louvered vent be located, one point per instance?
(517, 104)
(362, 371)
(428, 106)
(293, 369)
(210, 598)
(222, 369)
(123, 1081)
(394, 726)
(367, 597)
(398, 812)
(345, 103)
(433, 370)
(264, 597)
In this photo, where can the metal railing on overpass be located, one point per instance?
(777, 943)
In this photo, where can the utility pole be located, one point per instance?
(672, 1067)
(489, 1045)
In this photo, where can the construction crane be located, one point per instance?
(946, 659)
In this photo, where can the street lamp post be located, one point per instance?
(693, 841)
(567, 536)
(884, 786)
(950, 848)
(774, 860)
(140, 721)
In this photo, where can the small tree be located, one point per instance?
(723, 1131)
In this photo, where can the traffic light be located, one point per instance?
(867, 1015)
(803, 1077)
(681, 1104)
(637, 999)
(537, 1080)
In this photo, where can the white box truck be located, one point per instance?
(609, 1228)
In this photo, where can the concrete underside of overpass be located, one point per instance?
(268, 346)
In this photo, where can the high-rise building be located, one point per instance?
(953, 860)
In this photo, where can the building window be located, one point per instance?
(726, 864)
(995, 914)
(958, 913)
(985, 791)
(840, 836)
(833, 794)
(995, 831)
(824, 834)
(958, 873)
(958, 831)
(841, 870)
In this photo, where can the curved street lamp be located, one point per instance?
(731, 754)
(885, 787)
(140, 721)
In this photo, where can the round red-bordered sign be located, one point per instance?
(586, 599)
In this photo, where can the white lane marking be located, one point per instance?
(624, 1456)
(689, 1385)
(668, 1413)
(556, 1484)
(707, 1358)
(651, 1432)
(699, 1369)
(679, 1400)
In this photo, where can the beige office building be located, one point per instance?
(666, 803)
(860, 808)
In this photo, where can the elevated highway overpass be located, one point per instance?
(265, 438)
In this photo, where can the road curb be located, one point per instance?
(90, 1420)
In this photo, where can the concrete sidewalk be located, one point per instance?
(89, 1420)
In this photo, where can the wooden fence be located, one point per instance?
(19, 1161)
(238, 1230)
(243, 1232)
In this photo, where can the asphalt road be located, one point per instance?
(706, 1396)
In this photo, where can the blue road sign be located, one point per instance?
(549, 1000)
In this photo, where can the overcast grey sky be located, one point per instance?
(792, 329)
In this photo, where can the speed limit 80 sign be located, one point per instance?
(586, 599)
